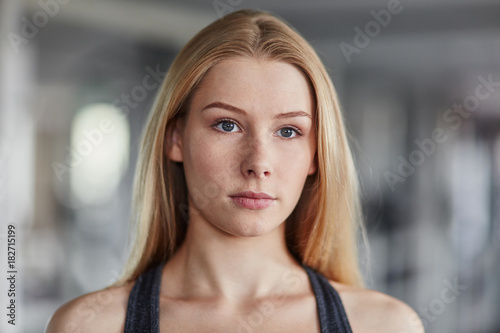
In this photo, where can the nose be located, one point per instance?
(256, 161)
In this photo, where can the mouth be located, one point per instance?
(253, 195)
(253, 200)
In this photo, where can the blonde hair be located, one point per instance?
(324, 228)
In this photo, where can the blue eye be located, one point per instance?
(226, 125)
(289, 131)
(229, 125)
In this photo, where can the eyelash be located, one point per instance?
(227, 120)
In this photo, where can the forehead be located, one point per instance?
(253, 83)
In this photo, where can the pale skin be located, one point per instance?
(233, 264)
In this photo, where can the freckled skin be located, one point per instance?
(222, 272)
(253, 154)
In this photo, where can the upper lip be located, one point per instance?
(253, 195)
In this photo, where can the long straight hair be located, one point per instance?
(324, 229)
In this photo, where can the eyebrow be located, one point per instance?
(231, 108)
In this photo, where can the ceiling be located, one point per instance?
(175, 21)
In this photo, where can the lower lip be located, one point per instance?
(252, 203)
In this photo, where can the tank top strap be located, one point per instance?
(143, 309)
(332, 315)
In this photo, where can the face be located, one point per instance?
(249, 128)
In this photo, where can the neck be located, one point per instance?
(211, 264)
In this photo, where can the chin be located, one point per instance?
(249, 229)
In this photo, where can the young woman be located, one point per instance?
(246, 208)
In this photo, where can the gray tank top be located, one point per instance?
(143, 308)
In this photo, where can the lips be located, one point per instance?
(253, 200)
(253, 195)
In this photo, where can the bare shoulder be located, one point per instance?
(373, 311)
(100, 311)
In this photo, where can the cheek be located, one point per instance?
(294, 159)
(293, 167)
(210, 163)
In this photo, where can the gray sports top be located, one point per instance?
(144, 307)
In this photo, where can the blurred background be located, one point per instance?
(419, 82)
